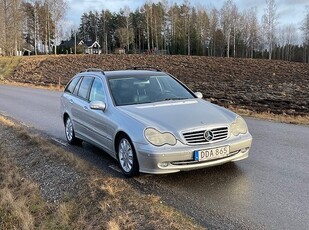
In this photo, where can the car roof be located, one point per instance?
(122, 73)
(133, 73)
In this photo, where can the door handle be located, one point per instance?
(86, 108)
(71, 101)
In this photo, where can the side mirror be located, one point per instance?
(199, 95)
(98, 105)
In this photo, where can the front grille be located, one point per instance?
(198, 137)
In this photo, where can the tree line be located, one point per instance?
(30, 25)
(196, 30)
(179, 28)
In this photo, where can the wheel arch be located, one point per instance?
(65, 116)
(135, 169)
(117, 138)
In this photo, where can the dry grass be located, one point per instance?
(17, 195)
(7, 66)
(49, 87)
(283, 118)
(6, 121)
(103, 202)
(137, 210)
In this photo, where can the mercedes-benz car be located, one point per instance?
(151, 122)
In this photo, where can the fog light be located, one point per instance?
(163, 164)
(244, 150)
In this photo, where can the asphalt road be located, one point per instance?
(268, 190)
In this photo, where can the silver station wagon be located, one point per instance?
(151, 122)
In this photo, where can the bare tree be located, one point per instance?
(57, 9)
(129, 30)
(10, 26)
(249, 31)
(213, 26)
(270, 21)
(203, 28)
(287, 37)
(147, 10)
(305, 30)
(2, 28)
(187, 18)
(227, 14)
(125, 36)
(235, 26)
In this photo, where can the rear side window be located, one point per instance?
(84, 87)
(77, 86)
(71, 86)
(97, 91)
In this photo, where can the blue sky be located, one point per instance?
(290, 11)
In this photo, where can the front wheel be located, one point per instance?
(69, 132)
(127, 158)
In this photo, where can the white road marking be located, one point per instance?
(60, 142)
(24, 124)
(115, 168)
(4, 113)
(139, 180)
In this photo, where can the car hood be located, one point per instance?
(178, 116)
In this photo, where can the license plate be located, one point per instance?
(211, 154)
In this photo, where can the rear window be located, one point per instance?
(71, 86)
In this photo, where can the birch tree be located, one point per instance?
(249, 31)
(10, 26)
(214, 22)
(57, 9)
(305, 30)
(270, 21)
(227, 22)
(203, 28)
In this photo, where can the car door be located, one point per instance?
(102, 128)
(80, 107)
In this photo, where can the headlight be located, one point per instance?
(157, 138)
(239, 126)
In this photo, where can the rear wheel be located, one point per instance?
(127, 157)
(69, 132)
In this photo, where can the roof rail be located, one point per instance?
(93, 70)
(144, 68)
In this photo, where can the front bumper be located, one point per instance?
(171, 159)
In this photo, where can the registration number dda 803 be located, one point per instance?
(211, 154)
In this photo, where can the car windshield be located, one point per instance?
(148, 89)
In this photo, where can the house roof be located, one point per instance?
(68, 43)
(89, 44)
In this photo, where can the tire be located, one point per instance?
(127, 157)
(69, 132)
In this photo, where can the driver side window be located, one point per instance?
(97, 91)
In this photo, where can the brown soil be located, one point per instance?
(258, 85)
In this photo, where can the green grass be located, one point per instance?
(7, 66)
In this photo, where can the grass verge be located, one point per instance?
(283, 118)
(7, 66)
(103, 201)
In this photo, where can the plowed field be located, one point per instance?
(258, 85)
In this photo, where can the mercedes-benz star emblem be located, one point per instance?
(209, 136)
